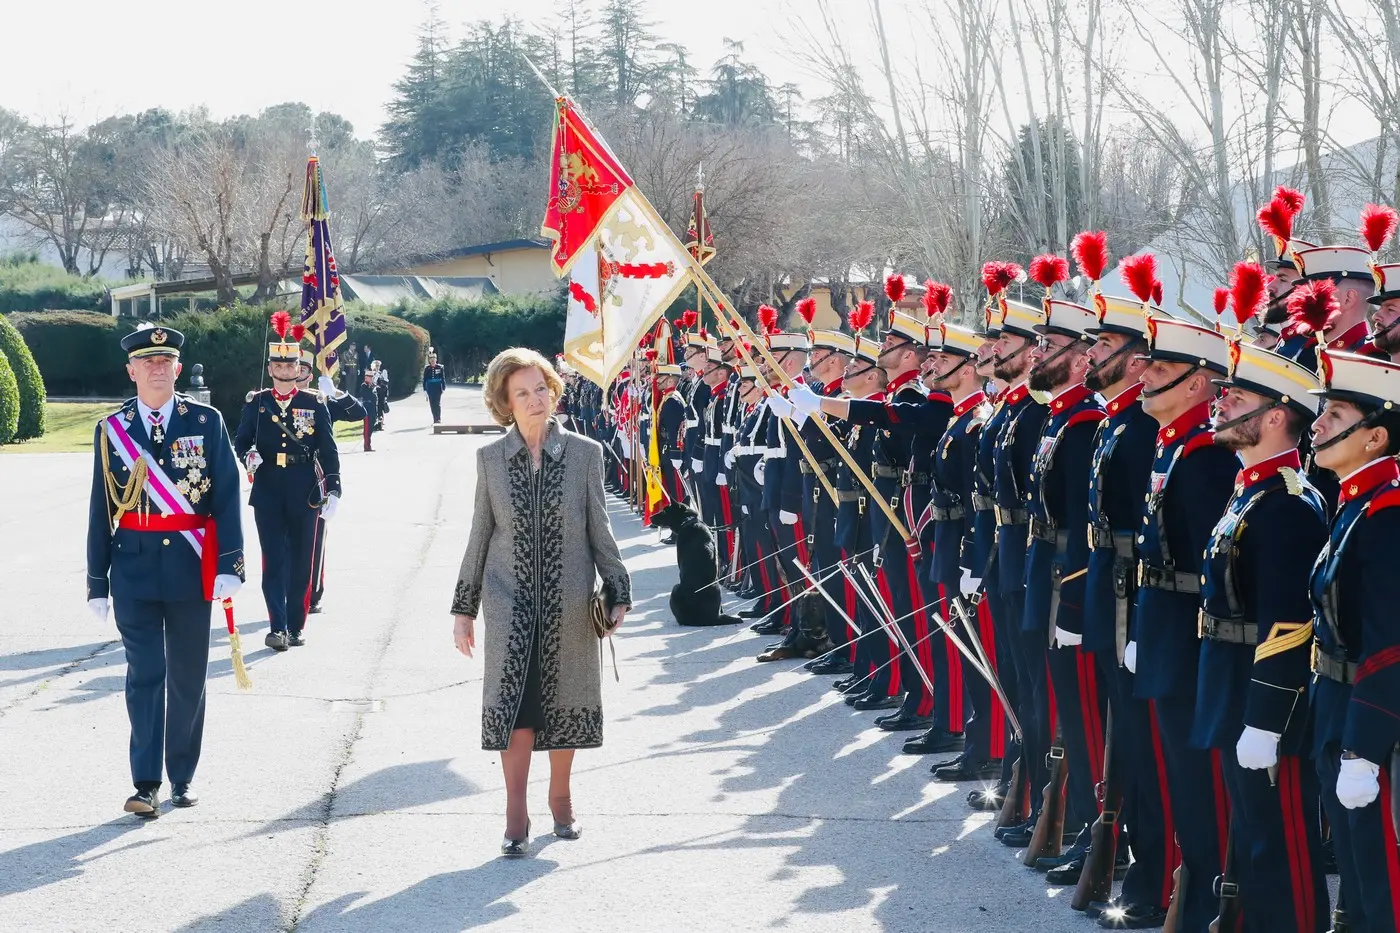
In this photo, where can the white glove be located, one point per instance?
(697, 466)
(253, 460)
(780, 406)
(729, 459)
(758, 469)
(328, 510)
(787, 518)
(804, 399)
(1130, 657)
(745, 508)
(99, 608)
(676, 465)
(326, 386)
(1357, 785)
(1257, 748)
(226, 585)
(721, 480)
(1064, 639)
(969, 584)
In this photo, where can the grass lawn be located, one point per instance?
(69, 427)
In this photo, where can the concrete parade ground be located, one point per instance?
(347, 792)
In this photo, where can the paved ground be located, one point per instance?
(348, 792)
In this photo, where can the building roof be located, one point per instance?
(384, 290)
(480, 249)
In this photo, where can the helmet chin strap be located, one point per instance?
(1153, 393)
(1365, 422)
(1098, 367)
(1261, 410)
(1376, 335)
(938, 380)
(1000, 360)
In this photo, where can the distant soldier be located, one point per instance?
(368, 395)
(165, 537)
(434, 382)
(286, 440)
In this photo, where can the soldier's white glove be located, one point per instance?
(326, 386)
(1066, 639)
(99, 608)
(745, 508)
(721, 480)
(1130, 657)
(729, 459)
(697, 466)
(758, 469)
(804, 399)
(676, 465)
(1257, 748)
(253, 460)
(1357, 784)
(787, 518)
(328, 509)
(969, 584)
(226, 585)
(780, 406)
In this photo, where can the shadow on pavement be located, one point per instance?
(54, 860)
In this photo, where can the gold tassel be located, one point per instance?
(240, 670)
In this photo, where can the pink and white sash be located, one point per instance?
(169, 499)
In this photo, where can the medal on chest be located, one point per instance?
(303, 421)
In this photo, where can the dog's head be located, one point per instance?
(674, 516)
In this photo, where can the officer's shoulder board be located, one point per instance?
(254, 393)
(188, 405)
(1384, 500)
(1204, 439)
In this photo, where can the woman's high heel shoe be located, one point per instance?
(518, 848)
(568, 830)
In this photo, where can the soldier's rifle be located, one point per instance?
(1047, 839)
(1096, 880)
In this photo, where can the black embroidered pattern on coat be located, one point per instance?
(466, 599)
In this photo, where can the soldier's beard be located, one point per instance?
(1387, 339)
(1276, 312)
(1046, 378)
(1241, 436)
(1112, 374)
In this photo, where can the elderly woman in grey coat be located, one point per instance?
(540, 538)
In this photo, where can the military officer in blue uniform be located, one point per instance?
(341, 406)
(1013, 455)
(672, 426)
(1052, 619)
(745, 465)
(1256, 628)
(713, 480)
(1385, 320)
(286, 439)
(1191, 481)
(1355, 692)
(1124, 449)
(165, 538)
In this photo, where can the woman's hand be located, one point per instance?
(464, 633)
(616, 616)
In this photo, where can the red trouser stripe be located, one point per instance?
(1296, 841)
(803, 554)
(956, 713)
(1392, 856)
(884, 596)
(1089, 709)
(989, 645)
(1173, 854)
(728, 516)
(762, 567)
(1054, 700)
(1222, 804)
(848, 593)
(924, 652)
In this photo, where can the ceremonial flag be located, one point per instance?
(656, 490)
(698, 238)
(322, 308)
(619, 285)
(586, 183)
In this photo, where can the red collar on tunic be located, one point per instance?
(1125, 398)
(1014, 395)
(1268, 469)
(969, 403)
(1367, 478)
(1071, 396)
(833, 388)
(1352, 339)
(1178, 428)
(901, 381)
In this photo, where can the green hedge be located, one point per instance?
(78, 353)
(31, 384)
(9, 402)
(29, 285)
(467, 334)
(399, 344)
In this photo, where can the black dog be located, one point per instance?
(696, 599)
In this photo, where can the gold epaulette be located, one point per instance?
(1291, 482)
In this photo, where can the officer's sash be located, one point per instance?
(159, 488)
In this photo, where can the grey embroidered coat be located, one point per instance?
(535, 546)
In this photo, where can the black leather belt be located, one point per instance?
(847, 495)
(287, 459)
(885, 472)
(1010, 516)
(1102, 536)
(826, 465)
(1042, 530)
(1332, 667)
(954, 513)
(983, 503)
(913, 479)
(1174, 581)
(1237, 633)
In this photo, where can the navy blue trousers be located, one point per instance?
(1366, 851)
(286, 534)
(1196, 786)
(1081, 708)
(167, 659)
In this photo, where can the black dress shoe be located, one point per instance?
(845, 683)
(1019, 838)
(773, 626)
(1025, 827)
(277, 641)
(295, 640)
(144, 803)
(1128, 917)
(1072, 854)
(905, 722)
(969, 770)
(1066, 874)
(180, 796)
(314, 609)
(933, 741)
(870, 702)
(987, 801)
(1095, 908)
(832, 665)
(753, 612)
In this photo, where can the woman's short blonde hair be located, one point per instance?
(506, 364)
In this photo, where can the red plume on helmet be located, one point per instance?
(1140, 275)
(704, 335)
(937, 297)
(1247, 290)
(689, 317)
(894, 288)
(1049, 270)
(1313, 305)
(1221, 301)
(997, 275)
(1378, 226)
(807, 310)
(1157, 293)
(860, 318)
(1291, 198)
(1090, 251)
(298, 332)
(651, 353)
(281, 323)
(768, 318)
(1276, 220)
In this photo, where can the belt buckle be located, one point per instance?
(281, 460)
(1200, 623)
(1312, 659)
